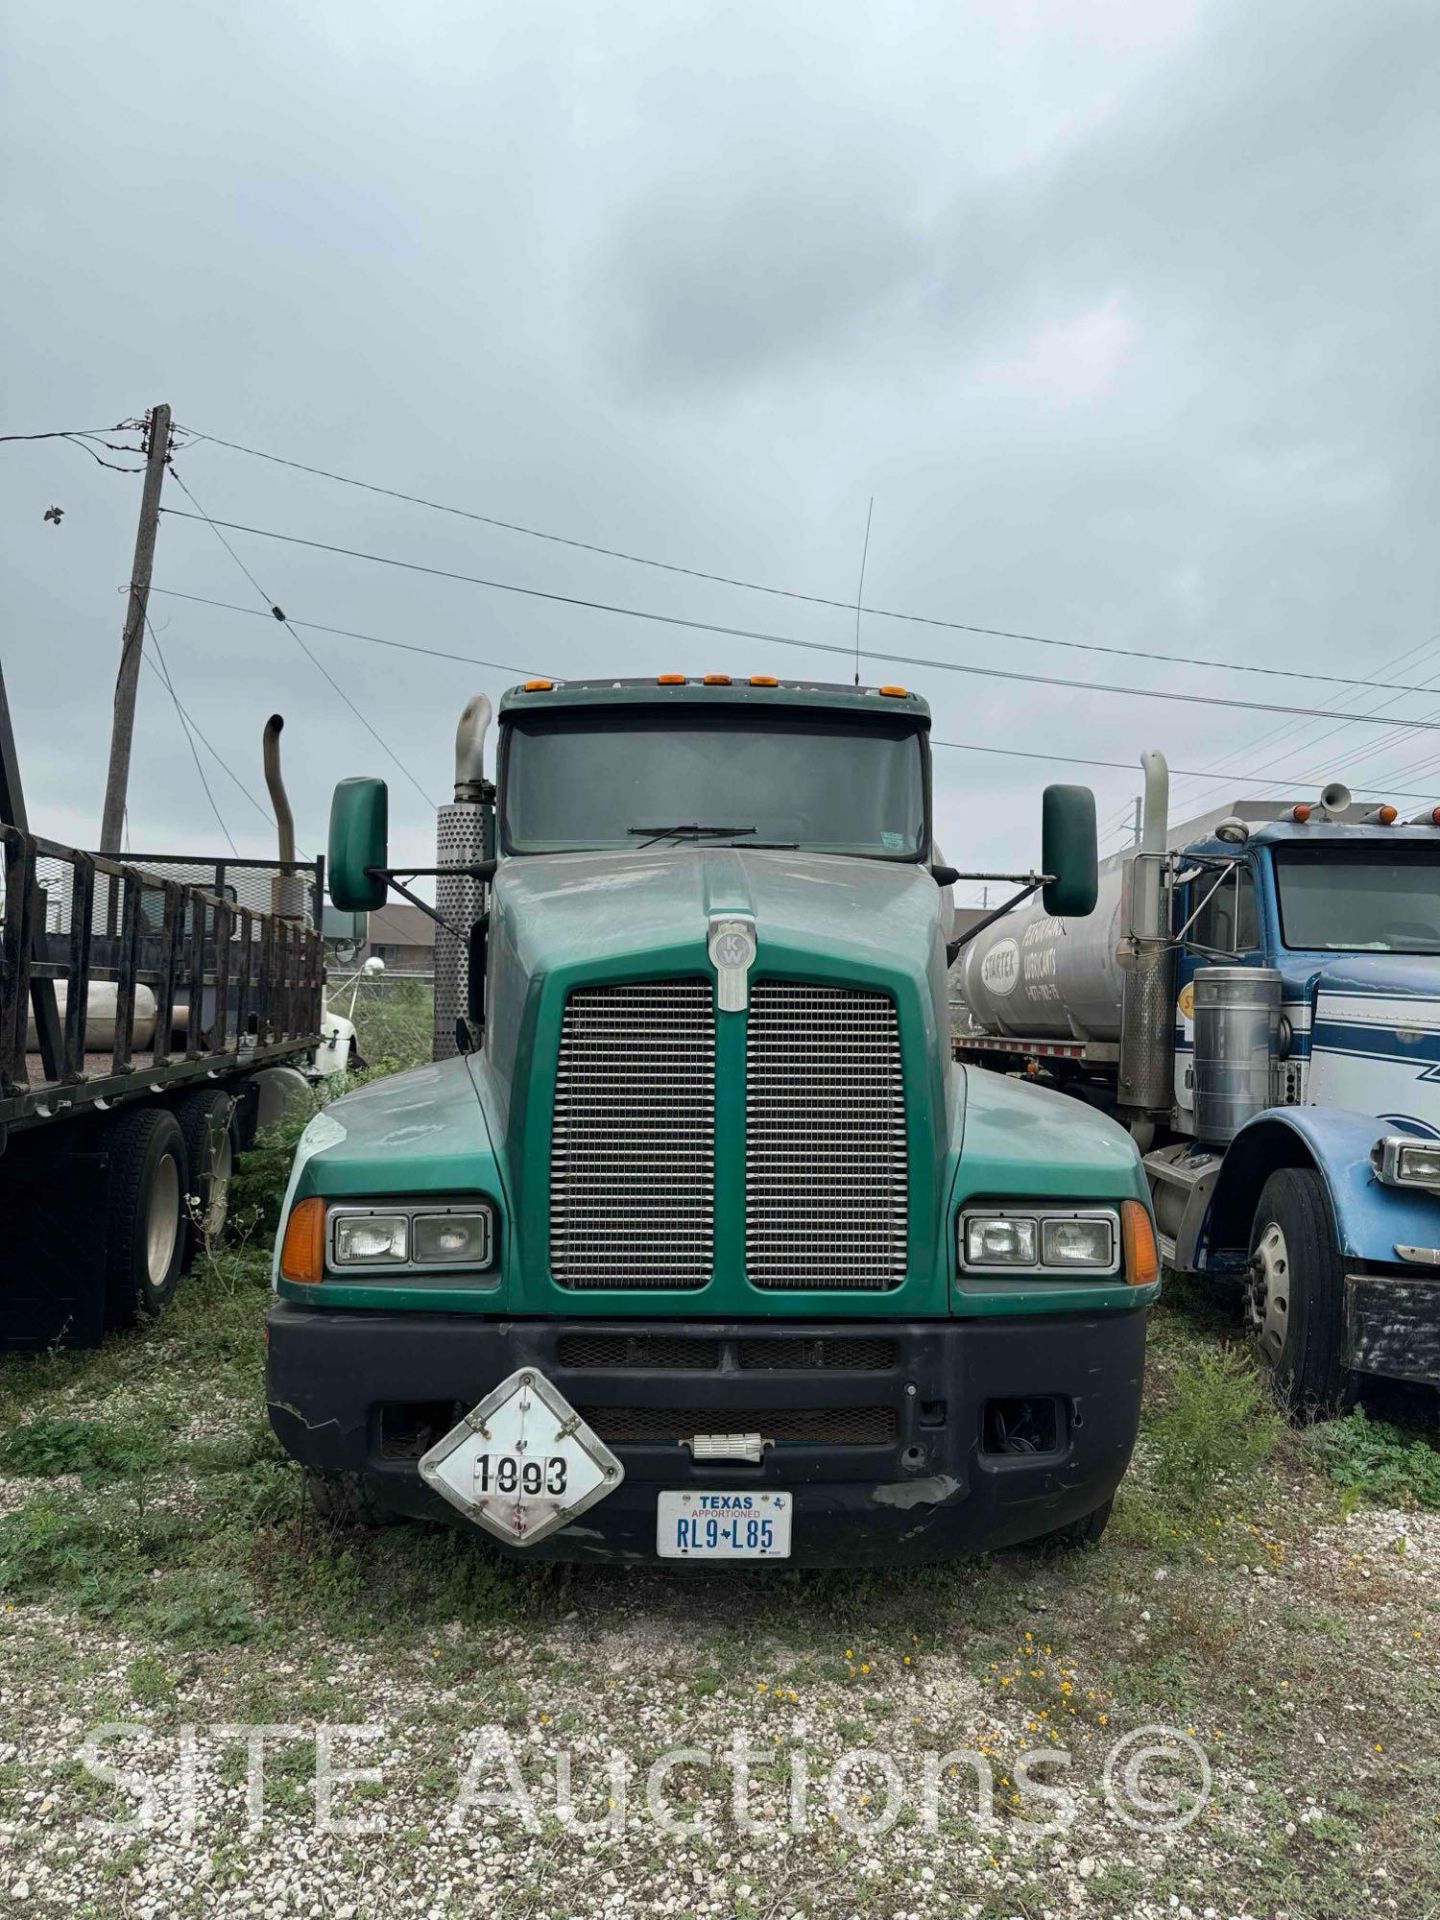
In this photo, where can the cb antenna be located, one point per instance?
(860, 590)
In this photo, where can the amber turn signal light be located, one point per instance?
(1142, 1257)
(302, 1251)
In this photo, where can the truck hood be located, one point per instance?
(1375, 1038)
(590, 908)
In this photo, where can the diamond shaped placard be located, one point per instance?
(522, 1462)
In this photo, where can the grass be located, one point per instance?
(156, 1543)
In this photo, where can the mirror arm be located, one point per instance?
(414, 898)
(1033, 884)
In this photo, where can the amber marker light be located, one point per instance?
(1300, 811)
(1142, 1258)
(302, 1252)
(1387, 815)
(769, 680)
(894, 693)
(669, 679)
(538, 686)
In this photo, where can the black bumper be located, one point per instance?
(1392, 1326)
(893, 1461)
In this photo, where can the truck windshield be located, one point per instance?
(619, 778)
(1360, 899)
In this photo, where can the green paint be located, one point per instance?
(482, 1125)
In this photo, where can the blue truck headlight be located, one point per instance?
(1400, 1160)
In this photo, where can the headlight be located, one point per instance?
(1400, 1160)
(999, 1240)
(1082, 1242)
(414, 1240)
(448, 1238)
(372, 1239)
(1046, 1242)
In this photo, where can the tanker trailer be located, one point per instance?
(1257, 996)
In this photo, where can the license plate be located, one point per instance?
(723, 1526)
(522, 1462)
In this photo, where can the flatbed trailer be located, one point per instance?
(153, 1012)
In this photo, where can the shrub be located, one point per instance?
(1378, 1464)
(1219, 1426)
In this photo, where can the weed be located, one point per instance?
(1219, 1428)
(1378, 1464)
(46, 1448)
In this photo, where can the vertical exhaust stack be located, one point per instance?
(1147, 1018)
(464, 834)
(287, 890)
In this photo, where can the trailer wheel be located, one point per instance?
(207, 1122)
(1295, 1295)
(145, 1206)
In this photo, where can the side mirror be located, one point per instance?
(359, 838)
(1069, 850)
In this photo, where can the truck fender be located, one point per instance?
(1370, 1219)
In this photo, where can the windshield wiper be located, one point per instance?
(696, 827)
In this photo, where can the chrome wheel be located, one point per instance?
(1267, 1292)
(162, 1219)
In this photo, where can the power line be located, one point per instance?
(163, 670)
(783, 593)
(1130, 766)
(349, 633)
(777, 639)
(319, 665)
(964, 746)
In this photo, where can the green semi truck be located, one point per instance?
(700, 1244)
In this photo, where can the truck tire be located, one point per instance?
(1295, 1295)
(1084, 1532)
(345, 1500)
(145, 1213)
(207, 1123)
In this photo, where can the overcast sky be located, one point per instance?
(1125, 313)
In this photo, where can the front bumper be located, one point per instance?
(1392, 1326)
(891, 1461)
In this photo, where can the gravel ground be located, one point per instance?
(1286, 1647)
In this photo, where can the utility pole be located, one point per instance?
(117, 779)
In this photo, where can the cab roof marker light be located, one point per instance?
(1300, 811)
(1384, 816)
(716, 680)
(669, 679)
(537, 686)
(1427, 817)
(769, 680)
(894, 693)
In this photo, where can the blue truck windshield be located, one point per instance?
(1364, 898)
(609, 778)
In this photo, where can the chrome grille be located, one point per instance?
(632, 1199)
(825, 1155)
